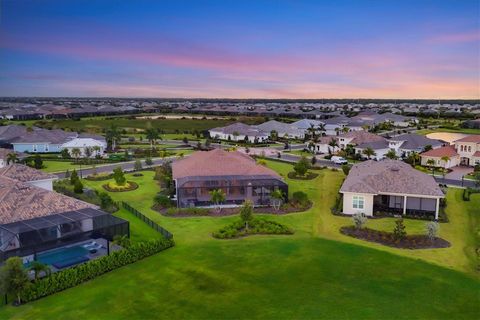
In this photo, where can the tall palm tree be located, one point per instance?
(37, 267)
(333, 143)
(152, 136)
(312, 131)
(369, 152)
(96, 150)
(75, 153)
(277, 198)
(431, 163)
(445, 160)
(414, 157)
(391, 154)
(12, 157)
(113, 135)
(321, 128)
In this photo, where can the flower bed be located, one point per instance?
(255, 226)
(387, 239)
(212, 212)
(113, 187)
(309, 176)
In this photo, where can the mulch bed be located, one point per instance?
(309, 176)
(132, 187)
(387, 239)
(211, 212)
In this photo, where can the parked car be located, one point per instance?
(339, 160)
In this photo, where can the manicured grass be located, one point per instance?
(60, 166)
(459, 130)
(315, 273)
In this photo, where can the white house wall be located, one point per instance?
(348, 204)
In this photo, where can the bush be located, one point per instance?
(359, 219)
(119, 176)
(163, 201)
(78, 186)
(399, 232)
(345, 169)
(138, 165)
(300, 199)
(73, 177)
(99, 177)
(74, 276)
(114, 187)
(187, 211)
(148, 161)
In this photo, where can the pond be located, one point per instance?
(446, 136)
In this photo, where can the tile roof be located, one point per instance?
(219, 163)
(280, 127)
(415, 141)
(389, 176)
(24, 173)
(471, 138)
(359, 137)
(20, 201)
(242, 129)
(448, 151)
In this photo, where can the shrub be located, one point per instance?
(255, 226)
(74, 276)
(345, 169)
(148, 161)
(119, 176)
(78, 186)
(359, 219)
(106, 202)
(302, 166)
(138, 165)
(163, 201)
(99, 176)
(127, 186)
(73, 177)
(399, 232)
(432, 229)
(300, 198)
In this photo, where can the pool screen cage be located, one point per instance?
(28, 237)
(195, 190)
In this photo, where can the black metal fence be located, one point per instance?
(155, 226)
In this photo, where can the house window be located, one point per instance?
(358, 202)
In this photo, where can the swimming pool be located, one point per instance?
(64, 257)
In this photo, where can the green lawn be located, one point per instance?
(315, 273)
(60, 166)
(459, 130)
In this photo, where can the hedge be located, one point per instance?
(72, 277)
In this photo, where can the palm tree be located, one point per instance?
(75, 153)
(445, 160)
(345, 129)
(333, 143)
(312, 131)
(321, 128)
(97, 150)
(88, 152)
(369, 152)
(277, 198)
(217, 196)
(431, 163)
(391, 154)
(152, 135)
(12, 157)
(113, 135)
(37, 267)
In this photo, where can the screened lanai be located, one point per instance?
(195, 191)
(28, 237)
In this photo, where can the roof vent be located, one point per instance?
(394, 169)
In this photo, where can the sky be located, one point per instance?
(241, 49)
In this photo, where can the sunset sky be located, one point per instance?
(241, 49)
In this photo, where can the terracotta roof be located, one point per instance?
(389, 176)
(448, 151)
(361, 136)
(472, 138)
(477, 154)
(20, 201)
(24, 173)
(219, 163)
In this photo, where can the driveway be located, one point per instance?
(458, 172)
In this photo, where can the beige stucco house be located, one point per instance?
(389, 186)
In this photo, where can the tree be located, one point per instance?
(12, 158)
(369, 152)
(75, 153)
(476, 178)
(88, 152)
(359, 219)
(313, 160)
(274, 135)
(14, 277)
(428, 147)
(432, 230)
(78, 186)
(148, 161)
(73, 177)
(246, 212)
(152, 135)
(399, 232)
(333, 144)
(217, 196)
(119, 176)
(445, 160)
(37, 267)
(391, 154)
(346, 169)
(431, 164)
(96, 150)
(113, 135)
(277, 198)
(138, 165)
(414, 157)
(37, 162)
(65, 154)
(302, 166)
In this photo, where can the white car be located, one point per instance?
(339, 160)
